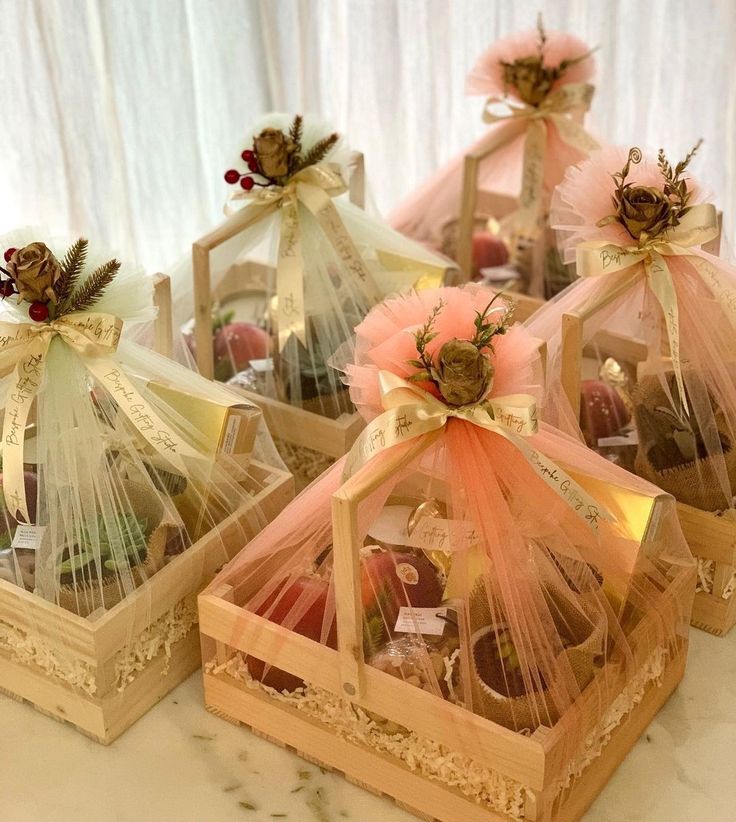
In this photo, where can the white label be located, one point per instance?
(630, 438)
(422, 620)
(435, 534)
(29, 537)
(231, 434)
(262, 366)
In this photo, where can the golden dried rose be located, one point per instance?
(35, 271)
(530, 78)
(644, 210)
(464, 374)
(273, 150)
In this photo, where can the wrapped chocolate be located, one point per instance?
(282, 283)
(119, 472)
(538, 89)
(497, 563)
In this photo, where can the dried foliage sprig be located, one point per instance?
(461, 371)
(532, 79)
(71, 268)
(319, 151)
(93, 288)
(647, 211)
(423, 337)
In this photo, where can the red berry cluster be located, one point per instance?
(7, 288)
(233, 176)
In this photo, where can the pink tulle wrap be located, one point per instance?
(424, 214)
(527, 532)
(707, 333)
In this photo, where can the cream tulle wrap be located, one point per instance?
(487, 516)
(99, 456)
(320, 262)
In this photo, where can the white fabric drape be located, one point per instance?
(119, 118)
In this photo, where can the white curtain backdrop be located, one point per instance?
(120, 116)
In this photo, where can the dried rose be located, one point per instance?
(530, 78)
(35, 271)
(463, 373)
(644, 210)
(273, 150)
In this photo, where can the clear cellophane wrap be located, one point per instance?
(115, 480)
(541, 593)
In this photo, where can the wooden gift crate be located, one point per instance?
(712, 538)
(535, 766)
(96, 645)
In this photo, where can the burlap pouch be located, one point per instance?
(694, 483)
(528, 711)
(87, 597)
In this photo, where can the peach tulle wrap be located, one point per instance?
(704, 289)
(426, 213)
(538, 571)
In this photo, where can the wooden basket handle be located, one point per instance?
(356, 186)
(469, 196)
(346, 545)
(163, 327)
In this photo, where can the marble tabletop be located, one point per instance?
(181, 764)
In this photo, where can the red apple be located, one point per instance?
(235, 345)
(489, 251)
(603, 413)
(393, 579)
(309, 625)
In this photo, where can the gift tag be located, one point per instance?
(425, 620)
(435, 534)
(262, 366)
(28, 537)
(630, 438)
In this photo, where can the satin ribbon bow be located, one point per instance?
(312, 187)
(555, 108)
(93, 337)
(411, 412)
(698, 226)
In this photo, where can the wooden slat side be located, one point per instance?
(187, 574)
(590, 783)
(511, 754)
(709, 536)
(62, 630)
(52, 696)
(307, 429)
(378, 771)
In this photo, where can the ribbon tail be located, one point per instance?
(391, 428)
(574, 134)
(663, 288)
(290, 277)
(570, 491)
(328, 217)
(27, 379)
(140, 413)
(532, 179)
(717, 284)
